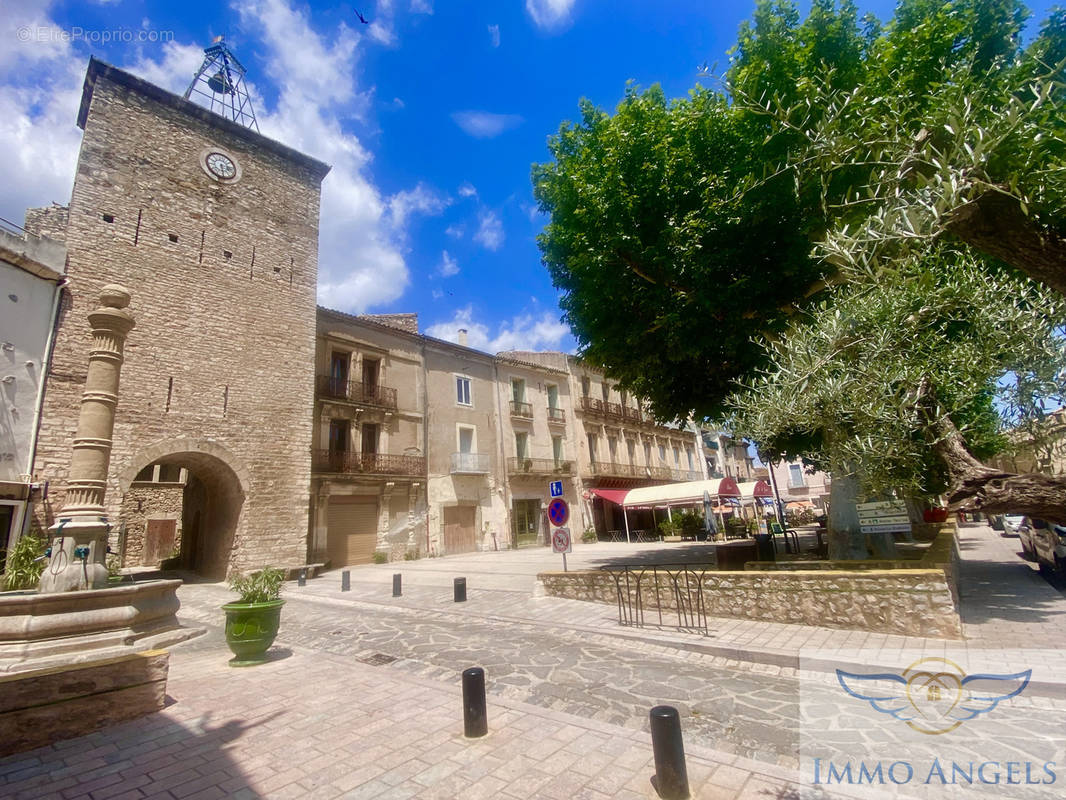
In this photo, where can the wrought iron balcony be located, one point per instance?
(556, 415)
(347, 462)
(612, 410)
(632, 414)
(615, 470)
(371, 394)
(520, 409)
(539, 466)
(590, 405)
(470, 463)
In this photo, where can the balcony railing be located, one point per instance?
(539, 466)
(612, 410)
(470, 463)
(367, 463)
(371, 394)
(590, 405)
(632, 414)
(556, 415)
(520, 409)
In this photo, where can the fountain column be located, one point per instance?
(79, 535)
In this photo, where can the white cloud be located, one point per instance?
(397, 103)
(485, 124)
(522, 332)
(421, 7)
(380, 28)
(467, 190)
(490, 230)
(494, 35)
(550, 14)
(422, 200)
(455, 231)
(437, 294)
(448, 265)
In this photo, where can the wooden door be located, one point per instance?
(159, 540)
(459, 533)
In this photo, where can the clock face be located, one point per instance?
(221, 166)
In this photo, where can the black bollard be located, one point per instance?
(671, 775)
(475, 717)
(346, 581)
(459, 591)
(397, 585)
(301, 580)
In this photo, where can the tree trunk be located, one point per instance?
(975, 487)
(995, 224)
(846, 540)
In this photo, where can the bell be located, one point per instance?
(220, 83)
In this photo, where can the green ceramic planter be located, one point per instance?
(250, 630)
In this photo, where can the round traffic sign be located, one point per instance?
(558, 512)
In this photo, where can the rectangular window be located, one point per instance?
(521, 441)
(592, 446)
(691, 463)
(371, 368)
(662, 453)
(370, 438)
(606, 390)
(557, 449)
(612, 447)
(518, 390)
(795, 476)
(462, 391)
(632, 447)
(647, 454)
(466, 440)
(338, 435)
(553, 396)
(586, 385)
(677, 457)
(338, 372)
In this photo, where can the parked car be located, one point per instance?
(1012, 523)
(1044, 543)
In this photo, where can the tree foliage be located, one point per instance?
(667, 270)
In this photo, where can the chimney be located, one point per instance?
(462, 336)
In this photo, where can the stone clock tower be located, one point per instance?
(213, 228)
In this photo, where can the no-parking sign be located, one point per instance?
(558, 512)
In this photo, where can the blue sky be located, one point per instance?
(431, 117)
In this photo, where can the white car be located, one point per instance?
(1012, 524)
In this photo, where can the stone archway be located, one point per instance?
(206, 505)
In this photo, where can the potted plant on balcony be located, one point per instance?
(252, 621)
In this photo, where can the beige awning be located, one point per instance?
(680, 494)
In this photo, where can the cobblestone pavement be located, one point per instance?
(744, 711)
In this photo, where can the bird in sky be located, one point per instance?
(362, 18)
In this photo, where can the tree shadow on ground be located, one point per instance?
(152, 754)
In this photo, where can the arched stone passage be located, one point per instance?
(204, 510)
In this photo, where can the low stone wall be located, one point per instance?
(911, 598)
(49, 705)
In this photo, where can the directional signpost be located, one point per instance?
(880, 521)
(558, 516)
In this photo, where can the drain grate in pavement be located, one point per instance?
(378, 659)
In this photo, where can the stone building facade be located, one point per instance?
(214, 229)
(368, 468)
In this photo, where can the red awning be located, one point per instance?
(615, 496)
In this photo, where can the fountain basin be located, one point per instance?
(38, 630)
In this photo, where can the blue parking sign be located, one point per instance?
(556, 488)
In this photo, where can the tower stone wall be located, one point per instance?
(220, 367)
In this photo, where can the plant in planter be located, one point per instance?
(25, 563)
(252, 621)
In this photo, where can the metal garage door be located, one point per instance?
(353, 530)
(459, 534)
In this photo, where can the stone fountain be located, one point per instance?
(76, 616)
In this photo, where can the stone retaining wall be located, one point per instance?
(919, 599)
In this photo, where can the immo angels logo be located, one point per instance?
(933, 695)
